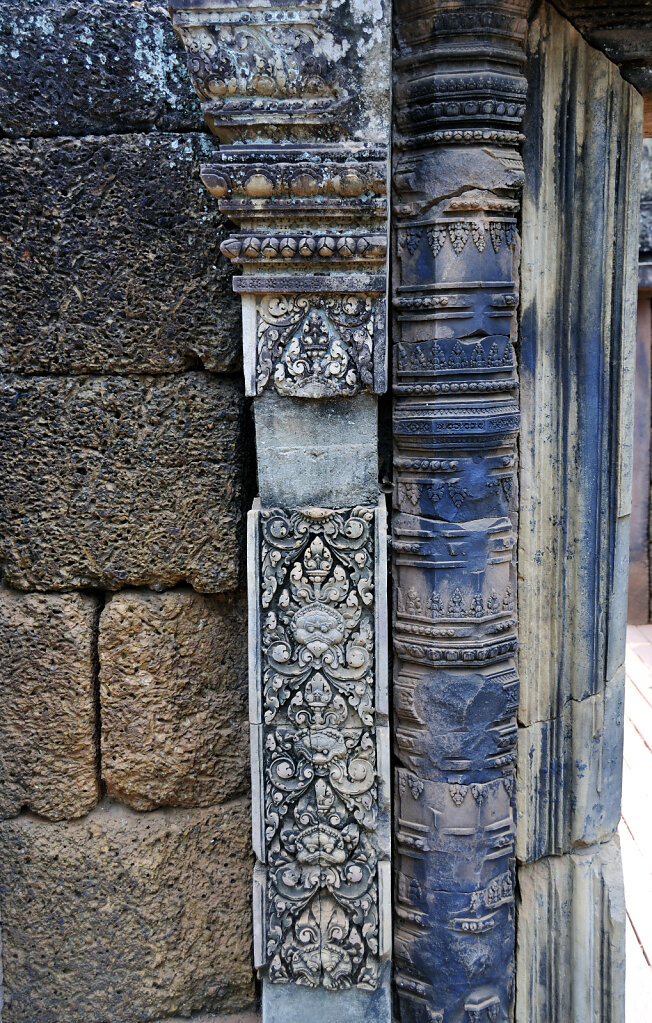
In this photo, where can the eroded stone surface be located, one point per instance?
(48, 744)
(570, 942)
(335, 442)
(77, 68)
(569, 775)
(111, 258)
(126, 916)
(121, 481)
(173, 685)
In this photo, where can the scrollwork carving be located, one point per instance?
(320, 800)
(317, 345)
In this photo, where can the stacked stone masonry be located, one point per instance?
(125, 849)
(125, 451)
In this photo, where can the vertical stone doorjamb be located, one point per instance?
(457, 179)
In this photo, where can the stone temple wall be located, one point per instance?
(125, 852)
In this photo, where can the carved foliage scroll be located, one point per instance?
(320, 790)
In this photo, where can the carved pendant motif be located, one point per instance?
(316, 345)
(320, 793)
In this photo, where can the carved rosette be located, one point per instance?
(320, 789)
(459, 95)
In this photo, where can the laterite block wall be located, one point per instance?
(125, 860)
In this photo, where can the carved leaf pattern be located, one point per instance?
(411, 239)
(496, 233)
(478, 235)
(459, 235)
(321, 799)
(316, 345)
(436, 239)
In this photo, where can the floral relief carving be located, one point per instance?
(320, 770)
(316, 345)
(252, 62)
(458, 232)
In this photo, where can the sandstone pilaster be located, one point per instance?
(298, 93)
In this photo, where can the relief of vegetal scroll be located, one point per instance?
(318, 345)
(320, 775)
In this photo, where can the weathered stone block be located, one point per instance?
(173, 685)
(80, 68)
(124, 916)
(111, 258)
(569, 775)
(334, 440)
(114, 481)
(570, 939)
(577, 368)
(48, 742)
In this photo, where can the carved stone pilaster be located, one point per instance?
(459, 96)
(293, 79)
(298, 92)
(321, 739)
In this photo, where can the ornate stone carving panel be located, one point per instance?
(299, 83)
(319, 700)
(457, 178)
